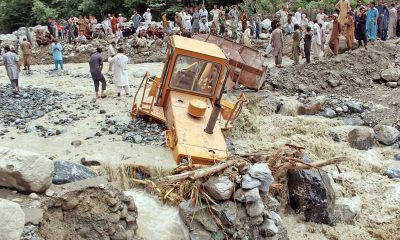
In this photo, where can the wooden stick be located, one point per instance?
(196, 174)
(303, 165)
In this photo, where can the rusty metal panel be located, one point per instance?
(247, 64)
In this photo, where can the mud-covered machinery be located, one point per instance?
(247, 65)
(188, 97)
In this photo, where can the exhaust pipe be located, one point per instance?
(213, 119)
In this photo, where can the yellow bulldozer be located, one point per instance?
(188, 98)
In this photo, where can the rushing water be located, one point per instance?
(157, 221)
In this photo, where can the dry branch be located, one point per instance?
(200, 173)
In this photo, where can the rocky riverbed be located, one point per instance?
(62, 121)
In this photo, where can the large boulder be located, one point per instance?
(67, 172)
(25, 171)
(219, 188)
(391, 74)
(386, 134)
(12, 220)
(311, 192)
(361, 138)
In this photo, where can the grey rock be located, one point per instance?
(255, 209)
(311, 192)
(25, 171)
(391, 84)
(12, 220)
(268, 228)
(353, 121)
(386, 134)
(200, 235)
(270, 202)
(329, 113)
(333, 82)
(227, 213)
(102, 111)
(361, 138)
(249, 196)
(346, 209)
(304, 88)
(354, 107)
(33, 196)
(76, 143)
(138, 139)
(249, 183)
(391, 74)
(345, 108)
(397, 157)
(274, 217)
(67, 172)
(262, 172)
(392, 172)
(219, 188)
(33, 215)
(90, 162)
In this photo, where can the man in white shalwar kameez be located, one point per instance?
(120, 66)
(147, 17)
(204, 20)
(247, 38)
(316, 40)
(297, 16)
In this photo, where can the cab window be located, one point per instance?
(195, 75)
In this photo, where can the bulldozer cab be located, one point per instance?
(192, 67)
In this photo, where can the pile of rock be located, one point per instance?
(32, 103)
(137, 131)
(245, 209)
(89, 209)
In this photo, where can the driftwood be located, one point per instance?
(322, 163)
(200, 173)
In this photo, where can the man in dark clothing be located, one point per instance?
(361, 32)
(274, 22)
(307, 44)
(96, 66)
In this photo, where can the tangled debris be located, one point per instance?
(236, 198)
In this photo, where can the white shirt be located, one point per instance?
(120, 65)
(321, 18)
(215, 13)
(147, 17)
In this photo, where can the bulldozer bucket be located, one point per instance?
(248, 66)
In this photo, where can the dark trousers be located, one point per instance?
(221, 30)
(308, 56)
(14, 83)
(97, 80)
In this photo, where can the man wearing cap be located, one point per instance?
(335, 33)
(147, 17)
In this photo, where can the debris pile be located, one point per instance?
(19, 109)
(342, 74)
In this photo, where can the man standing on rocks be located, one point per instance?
(335, 33)
(57, 54)
(96, 66)
(372, 22)
(350, 30)
(277, 45)
(120, 65)
(296, 44)
(111, 53)
(147, 17)
(26, 48)
(136, 18)
(12, 66)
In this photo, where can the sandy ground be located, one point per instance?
(108, 148)
(361, 176)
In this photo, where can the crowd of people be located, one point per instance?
(362, 23)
